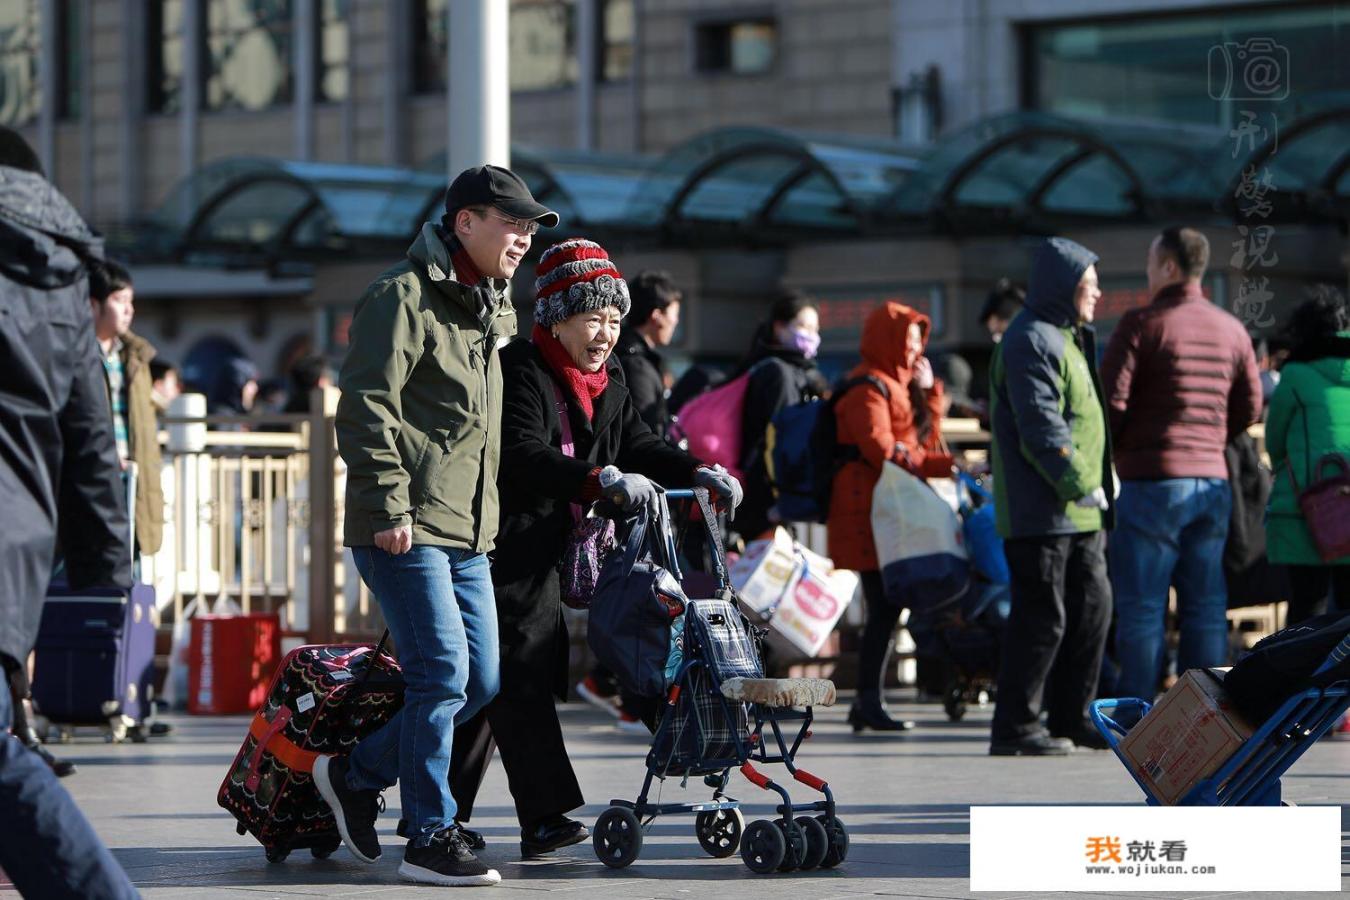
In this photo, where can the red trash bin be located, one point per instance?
(231, 662)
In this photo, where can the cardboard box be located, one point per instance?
(763, 574)
(1186, 737)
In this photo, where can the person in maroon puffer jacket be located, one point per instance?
(1180, 380)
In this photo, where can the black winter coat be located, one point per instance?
(59, 471)
(644, 373)
(786, 379)
(537, 485)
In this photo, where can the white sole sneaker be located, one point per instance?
(417, 874)
(608, 704)
(325, 786)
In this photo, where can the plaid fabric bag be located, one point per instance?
(721, 636)
(702, 728)
(699, 730)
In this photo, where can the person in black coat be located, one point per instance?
(564, 370)
(60, 478)
(649, 327)
(782, 366)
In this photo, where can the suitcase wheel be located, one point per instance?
(277, 854)
(240, 828)
(325, 851)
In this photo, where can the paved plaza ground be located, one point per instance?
(905, 798)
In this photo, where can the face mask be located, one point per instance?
(805, 342)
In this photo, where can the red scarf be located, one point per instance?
(583, 386)
(466, 273)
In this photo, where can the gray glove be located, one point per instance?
(1095, 500)
(722, 483)
(632, 492)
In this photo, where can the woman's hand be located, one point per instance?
(720, 482)
(632, 492)
(923, 373)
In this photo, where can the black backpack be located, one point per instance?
(803, 453)
(1282, 664)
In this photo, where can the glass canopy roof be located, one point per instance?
(1016, 169)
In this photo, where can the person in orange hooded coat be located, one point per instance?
(902, 426)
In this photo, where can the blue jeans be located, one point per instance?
(49, 848)
(439, 606)
(1169, 532)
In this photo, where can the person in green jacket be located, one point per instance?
(1309, 419)
(418, 425)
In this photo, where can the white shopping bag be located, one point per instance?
(812, 604)
(764, 572)
(919, 542)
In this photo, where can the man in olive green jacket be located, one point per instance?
(418, 427)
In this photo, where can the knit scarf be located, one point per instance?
(584, 387)
(466, 273)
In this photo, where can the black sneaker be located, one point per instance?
(355, 811)
(446, 860)
(1087, 739)
(474, 839)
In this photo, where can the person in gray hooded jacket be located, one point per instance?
(1052, 463)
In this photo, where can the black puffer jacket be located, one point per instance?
(58, 463)
(537, 485)
(779, 377)
(644, 371)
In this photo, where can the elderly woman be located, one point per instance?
(563, 371)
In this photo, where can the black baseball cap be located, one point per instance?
(502, 188)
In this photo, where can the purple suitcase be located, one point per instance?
(94, 659)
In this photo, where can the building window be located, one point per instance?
(543, 49)
(543, 44)
(164, 66)
(20, 49)
(1197, 69)
(737, 47)
(616, 40)
(431, 45)
(334, 50)
(70, 51)
(247, 63)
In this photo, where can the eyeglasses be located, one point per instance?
(519, 226)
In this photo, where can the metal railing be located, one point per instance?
(253, 523)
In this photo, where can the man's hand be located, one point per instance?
(394, 541)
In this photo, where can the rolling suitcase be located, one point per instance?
(323, 700)
(95, 655)
(95, 659)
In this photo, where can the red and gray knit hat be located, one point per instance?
(576, 276)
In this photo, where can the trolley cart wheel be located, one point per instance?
(618, 837)
(240, 828)
(794, 845)
(817, 842)
(763, 847)
(838, 851)
(277, 854)
(719, 831)
(325, 851)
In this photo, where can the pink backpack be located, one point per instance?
(711, 423)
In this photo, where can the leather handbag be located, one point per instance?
(592, 537)
(1325, 503)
